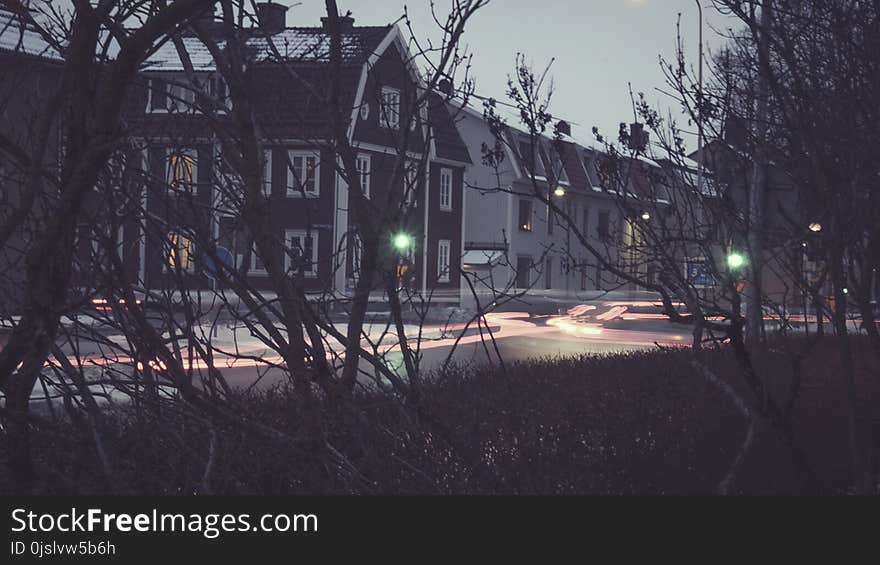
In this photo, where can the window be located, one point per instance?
(523, 272)
(604, 227)
(525, 215)
(590, 169)
(302, 252)
(390, 108)
(556, 166)
(443, 251)
(182, 170)
(180, 98)
(181, 253)
(412, 183)
(527, 155)
(267, 173)
(258, 266)
(356, 254)
(365, 111)
(303, 174)
(585, 222)
(363, 168)
(446, 189)
(548, 273)
(551, 219)
(220, 92)
(157, 95)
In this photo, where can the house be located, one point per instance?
(30, 68)
(514, 240)
(171, 178)
(308, 198)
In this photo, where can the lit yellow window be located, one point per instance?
(181, 252)
(182, 171)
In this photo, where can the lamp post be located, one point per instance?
(700, 98)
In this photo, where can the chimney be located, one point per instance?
(445, 87)
(204, 21)
(638, 137)
(563, 127)
(272, 17)
(346, 23)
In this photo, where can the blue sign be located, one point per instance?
(698, 273)
(225, 257)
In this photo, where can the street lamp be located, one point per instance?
(815, 227)
(402, 241)
(646, 216)
(560, 192)
(700, 99)
(736, 260)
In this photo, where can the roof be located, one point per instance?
(18, 37)
(306, 44)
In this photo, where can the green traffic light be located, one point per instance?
(736, 260)
(402, 241)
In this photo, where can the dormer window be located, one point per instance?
(219, 91)
(165, 95)
(528, 153)
(390, 108)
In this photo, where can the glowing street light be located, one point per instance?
(736, 260)
(560, 192)
(815, 227)
(402, 241)
(646, 216)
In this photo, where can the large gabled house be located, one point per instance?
(309, 200)
(173, 179)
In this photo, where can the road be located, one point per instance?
(533, 331)
(599, 328)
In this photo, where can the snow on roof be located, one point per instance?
(17, 37)
(299, 44)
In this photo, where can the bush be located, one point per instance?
(637, 423)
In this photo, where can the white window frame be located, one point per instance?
(252, 268)
(185, 152)
(150, 89)
(411, 183)
(302, 234)
(446, 180)
(357, 251)
(186, 96)
(364, 172)
(292, 191)
(389, 114)
(267, 173)
(443, 271)
(225, 100)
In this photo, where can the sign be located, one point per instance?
(225, 257)
(698, 274)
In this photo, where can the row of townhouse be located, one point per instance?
(515, 240)
(466, 214)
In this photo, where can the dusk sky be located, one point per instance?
(599, 46)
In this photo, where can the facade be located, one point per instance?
(174, 171)
(308, 198)
(514, 240)
(28, 67)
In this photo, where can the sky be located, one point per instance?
(598, 46)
